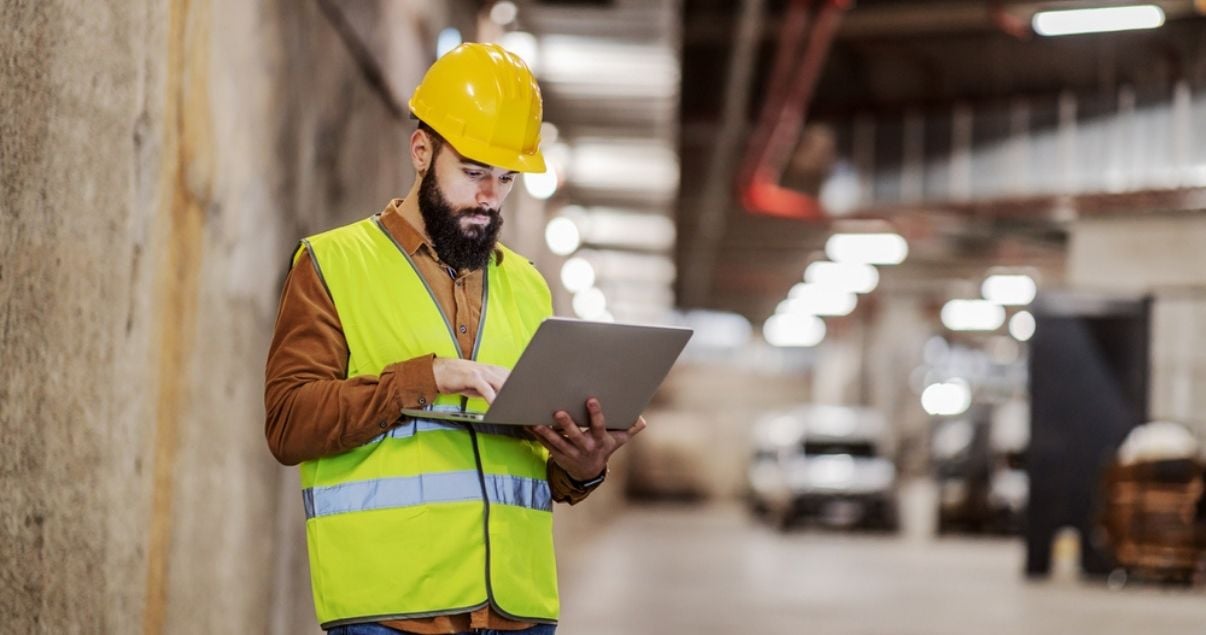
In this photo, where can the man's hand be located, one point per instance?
(469, 378)
(584, 454)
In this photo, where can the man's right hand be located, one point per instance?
(469, 378)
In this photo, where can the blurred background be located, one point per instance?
(945, 261)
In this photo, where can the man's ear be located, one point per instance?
(422, 152)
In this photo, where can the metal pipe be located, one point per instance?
(761, 192)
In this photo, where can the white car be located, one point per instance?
(823, 462)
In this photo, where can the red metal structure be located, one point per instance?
(785, 109)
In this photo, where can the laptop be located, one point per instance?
(568, 361)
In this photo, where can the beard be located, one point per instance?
(462, 247)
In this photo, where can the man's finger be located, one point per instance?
(553, 441)
(496, 376)
(485, 390)
(598, 423)
(637, 427)
(570, 430)
(556, 455)
(624, 436)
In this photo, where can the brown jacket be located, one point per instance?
(313, 410)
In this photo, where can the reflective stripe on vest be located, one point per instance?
(444, 487)
(429, 517)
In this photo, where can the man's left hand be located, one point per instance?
(581, 453)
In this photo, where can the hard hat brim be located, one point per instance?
(495, 157)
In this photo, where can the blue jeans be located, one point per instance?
(377, 629)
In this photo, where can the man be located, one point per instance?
(419, 526)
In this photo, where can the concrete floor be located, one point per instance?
(711, 569)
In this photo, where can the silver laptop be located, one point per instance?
(569, 361)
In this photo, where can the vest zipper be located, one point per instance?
(481, 479)
(477, 456)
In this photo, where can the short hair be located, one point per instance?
(437, 141)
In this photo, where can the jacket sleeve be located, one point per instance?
(311, 409)
(563, 488)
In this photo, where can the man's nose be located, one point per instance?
(487, 194)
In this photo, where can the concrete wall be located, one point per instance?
(158, 159)
(1163, 255)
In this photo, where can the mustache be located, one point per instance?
(483, 211)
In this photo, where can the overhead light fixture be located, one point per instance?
(577, 275)
(541, 185)
(503, 12)
(972, 315)
(524, 45)
(793, 330)
(607, 66)
(948, 398)
(562, 236)
(646, 166)
(611, 227)
(1022, 326)
(854, 277)
(590, 304)
(1098, 20)
(1009, 289)
(883, 248)
(807, 298)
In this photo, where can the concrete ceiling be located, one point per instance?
(891, 56)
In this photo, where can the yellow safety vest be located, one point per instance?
(429, 518)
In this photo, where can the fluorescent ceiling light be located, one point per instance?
(541, 185)
(1021, 326)
(577, 275)
(590, 304)
(1009, 289)
(606, 67)
(504, 12)
(807, 298)
(524, 45)
(629, 165)
(794, 330)
(972, 315)
(848, 276)
(948, 398)
(562, 236)
(631, 230)
(870, 249)
(1099, 20)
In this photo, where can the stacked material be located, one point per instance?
(1152, 518)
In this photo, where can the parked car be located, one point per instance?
(825, 463)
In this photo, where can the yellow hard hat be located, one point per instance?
(484, 100)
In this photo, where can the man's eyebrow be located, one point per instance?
(468, 161)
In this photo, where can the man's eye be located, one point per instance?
(473, 174)
(508, 179)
